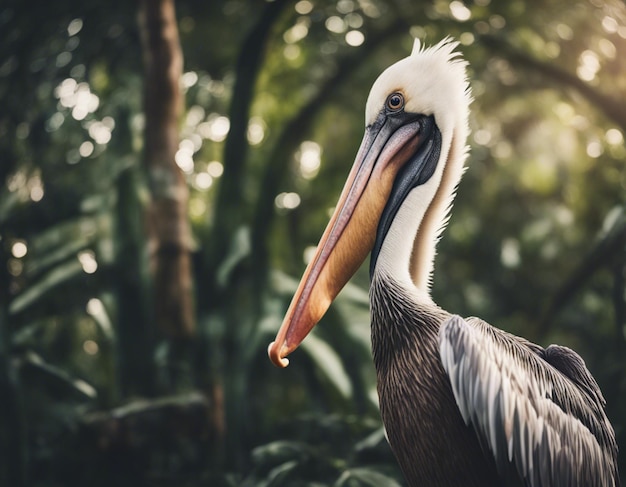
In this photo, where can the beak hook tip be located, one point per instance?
(275, 356)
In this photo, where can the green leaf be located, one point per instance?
(328, 363)
(365, 477)
(279, 451)
(278, 475)
(239, 250)
(63, 232)
(9, 201)
(98, 311)
(372, 440)
(37, 370)
(283, 283)
(42, 260)
(52, 279)
(614, 221)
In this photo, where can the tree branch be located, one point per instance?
(230, 195)
(613, 243)
(612, 106)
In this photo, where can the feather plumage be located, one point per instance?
(553, 423)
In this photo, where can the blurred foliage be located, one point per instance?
(536, 244)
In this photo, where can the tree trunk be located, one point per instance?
(169, 232)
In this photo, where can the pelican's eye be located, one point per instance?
(395, 102)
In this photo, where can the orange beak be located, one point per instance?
(351, 232)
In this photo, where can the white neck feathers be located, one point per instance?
(435, 83)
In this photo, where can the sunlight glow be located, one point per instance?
(370, 9)
(65, 92)
(345, 6)
(36, 191)
(189, 145)
(74, 27)
(203, 181)
(86, 102)
(86, 149)
(482, 136)
(610, 25)
(510, 253)
(16, 181)
(354, 20)
(355, 38)
(292, 52)
(100, 132)
(287, 201)
(459, 11)
(256, 128)
(297, 32)
(502, 150)
(594, 149)
(88, 260)
(189, 79)
(335, 24)
(19, 249)
(552, 49)
(607, 48)
(304, 7)
(588, 66)
(565, 32)
(614, 137)
(467, 38)
(95, 307)
(197, 207)
(309, 253)
(184, 159)
(497, 21)
(215, 169)
(90, 347)
(78, 97)
(195, 115)
(309, 156)
(216, 128)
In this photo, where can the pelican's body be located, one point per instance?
(432, 443)
(463, 403)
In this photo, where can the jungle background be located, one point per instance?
(166, 170)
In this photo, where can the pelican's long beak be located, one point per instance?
(387, 145)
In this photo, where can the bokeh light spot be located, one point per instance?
(355, 38)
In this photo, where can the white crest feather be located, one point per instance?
(417, 47)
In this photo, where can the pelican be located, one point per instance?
(463, 403)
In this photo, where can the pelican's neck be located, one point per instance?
(394, 260)
(408, 251)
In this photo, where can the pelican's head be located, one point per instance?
(402, 183)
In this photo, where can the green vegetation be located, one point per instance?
(150, 242)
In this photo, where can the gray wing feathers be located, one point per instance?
(541, 416)
(573, 366)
